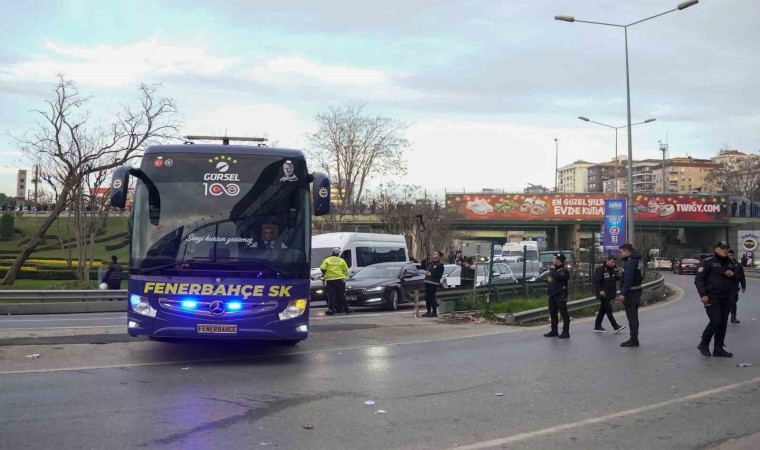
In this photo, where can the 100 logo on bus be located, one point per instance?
(217, 189)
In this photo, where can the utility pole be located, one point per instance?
(556, 164)
(664, 150)
(36, 180)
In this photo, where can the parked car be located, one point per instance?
(501, 276)
(686, 265)
(318, 291)
(385, 285)
(660, 263)
(545, 258)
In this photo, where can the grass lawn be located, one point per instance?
(29, 225)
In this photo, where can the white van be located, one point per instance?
(358, 249)
(514, 252)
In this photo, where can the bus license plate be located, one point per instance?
(217, 329)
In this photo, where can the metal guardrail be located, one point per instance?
(751, 272)
(42, 296)
(649, 291)
(497, 290)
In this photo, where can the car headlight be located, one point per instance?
(294, 309)
(141, 306)
(319, 291)
(375, 289)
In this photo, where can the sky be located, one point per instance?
(485, 87)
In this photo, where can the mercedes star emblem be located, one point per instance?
(217, 308)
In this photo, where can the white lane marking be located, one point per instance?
(595, 420)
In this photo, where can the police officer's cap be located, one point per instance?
(722, 244)
(560, 257)
(336, 251)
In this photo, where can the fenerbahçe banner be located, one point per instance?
(237, 288)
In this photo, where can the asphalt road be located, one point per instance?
(440, 385)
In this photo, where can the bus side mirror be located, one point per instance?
(321, 193)
(120, 186)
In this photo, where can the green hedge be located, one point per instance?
(44, 274)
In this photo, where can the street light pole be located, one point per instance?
(556, 164)
(617, 161)
(629, 193)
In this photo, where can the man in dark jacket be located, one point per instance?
(112, 276)
(606, 277)
(630, 291)
(716, 281)
(557, 291)
(432, 281)
(742, 281)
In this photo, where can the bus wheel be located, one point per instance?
(290, 342)
(391, 300)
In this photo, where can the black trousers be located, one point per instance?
(468, 283)
(336, 295)
(559, 304)
(631, 305)
(717, 310)
(734, 300)
(605, 309)
(430, 303)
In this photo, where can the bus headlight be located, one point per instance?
(141, 306)
(294, 309)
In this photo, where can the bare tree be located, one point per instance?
(418, 218)
(352, 147)
(738, 176)
(69, 148)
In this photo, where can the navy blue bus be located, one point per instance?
(220, 242)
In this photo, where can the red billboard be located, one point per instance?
(586, 207)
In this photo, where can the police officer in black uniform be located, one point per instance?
(631, 290)
(605, 281)
(716, 280)
(557, 291)
(742, 281)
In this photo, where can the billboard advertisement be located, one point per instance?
(587, 207)
(614, 224)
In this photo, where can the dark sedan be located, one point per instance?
(685, 265)
(385, 285)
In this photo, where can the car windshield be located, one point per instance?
(318, 255)
(238, 213)
(378, 272)
(448, 269)
(546, 257)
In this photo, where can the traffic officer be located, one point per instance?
(557, 291)
(742, 281)
(716, 281)
(335, 271)
(605, 281)
(432, 281)
(630, 291)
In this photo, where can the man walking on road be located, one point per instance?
(112, 277)
(716, 281)
(742, 281)
(630, 291)
(606, 277)
(335, 270)
(557, 291)
(432, 281)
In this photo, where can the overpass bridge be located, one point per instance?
(685, 223)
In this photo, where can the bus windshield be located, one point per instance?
(238, 213)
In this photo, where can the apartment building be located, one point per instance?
(573, 178)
